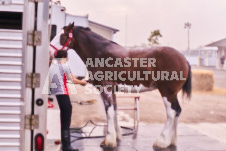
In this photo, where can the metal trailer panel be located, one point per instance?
(42, 65)
(12, 5)
(28, 25)
(10, 89)
(11, 60)
(11, 83)
(16, 59)
(58, 17)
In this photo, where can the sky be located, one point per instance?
(137, 18)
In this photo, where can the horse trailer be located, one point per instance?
(24, 59)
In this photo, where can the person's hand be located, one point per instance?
(89, 81)
(83, 82)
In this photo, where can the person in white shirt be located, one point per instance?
(59, 73)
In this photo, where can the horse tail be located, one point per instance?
(187, 87)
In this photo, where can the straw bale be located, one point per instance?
(202, 80)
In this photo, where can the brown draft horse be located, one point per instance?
(163, 62)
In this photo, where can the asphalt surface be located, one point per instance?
(189, 139)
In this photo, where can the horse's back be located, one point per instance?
(165, 57)
(168, 60)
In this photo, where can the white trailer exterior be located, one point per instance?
(24, 59)
(59, 19)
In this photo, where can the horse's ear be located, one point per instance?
(88, 29)
(72, 25)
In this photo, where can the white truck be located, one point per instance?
(24, 59)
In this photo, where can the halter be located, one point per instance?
(70, 35)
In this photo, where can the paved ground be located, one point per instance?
(202, 124)
(189, 139)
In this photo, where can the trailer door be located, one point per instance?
(36, 19)
(11, 75)
(24, 45)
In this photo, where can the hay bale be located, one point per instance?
(202, 80)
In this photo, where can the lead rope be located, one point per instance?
(65, 45)
(79, 131)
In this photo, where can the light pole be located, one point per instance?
(126, 26)
(188, 26)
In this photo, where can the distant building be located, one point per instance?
(221, 53)
(105, 31)
(60, 18)
(202, 57)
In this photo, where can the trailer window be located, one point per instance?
(53, 32)
(11, 20)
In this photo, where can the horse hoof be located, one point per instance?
(160, 144)
(119, 137)
(104, 145)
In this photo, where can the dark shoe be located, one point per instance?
(66, 141)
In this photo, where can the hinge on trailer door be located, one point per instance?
(31, 122)
(34, 38)
(32, 80)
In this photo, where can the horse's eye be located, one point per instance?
(61, 36)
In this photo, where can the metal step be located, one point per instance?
(11, 38)
(11, 55)
(9, 120)
(10, 88)
(10, 96)
(10, 112)
(10, 63)
(10, 71)
(9, 128)
(9, 136)
(11, 46)
(10, 30)
(10, 79)
(8, 104)
(9, 144)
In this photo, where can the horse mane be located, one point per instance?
(98, 45)
(97, 37)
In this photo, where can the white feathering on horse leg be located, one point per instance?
(110, 139)
(174, 139)
(118, 128)
(168, 135)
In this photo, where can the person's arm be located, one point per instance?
(72, 77)
(75, 80)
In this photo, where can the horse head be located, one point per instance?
(67, 36)
(78, 38)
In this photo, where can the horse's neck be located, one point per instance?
(107, 48)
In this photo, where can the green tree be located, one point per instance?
(154, 38)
